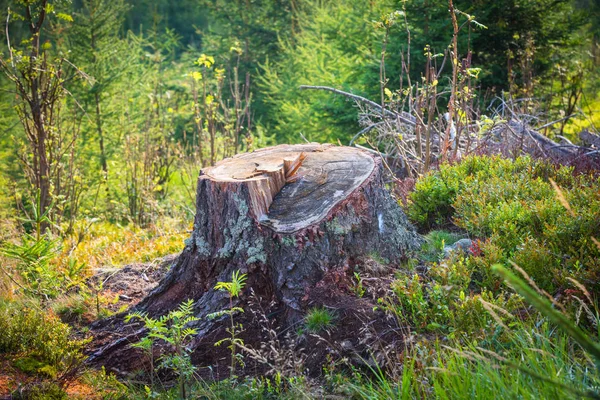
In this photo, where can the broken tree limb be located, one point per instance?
(402, 116)
(363, 131)
(516, 137)
(589, 138)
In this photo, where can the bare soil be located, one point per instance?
(130, 284)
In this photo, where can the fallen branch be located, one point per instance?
(362, 132)
(404, 117)
(589, 138)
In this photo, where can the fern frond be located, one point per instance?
(217, 314)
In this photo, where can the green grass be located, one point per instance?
(533, 364)
(319, 319)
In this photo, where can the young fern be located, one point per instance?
(172, 329)
(234, 289)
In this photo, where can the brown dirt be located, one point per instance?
(124, 288)
(361, 332)
(130, 284)
(10, 378)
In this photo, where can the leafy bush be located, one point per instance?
(431, 204)
(514, 204)
(39, 337)
(33, 264)
(36, 265)
(486, 254)
(41, 391)
(444, 300)
(433, 201)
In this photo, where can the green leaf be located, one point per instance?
(64, 17)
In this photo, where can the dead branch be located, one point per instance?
(404, 117)
(589, 138)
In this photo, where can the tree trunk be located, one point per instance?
(286, 216)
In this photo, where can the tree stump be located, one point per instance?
(285, 215)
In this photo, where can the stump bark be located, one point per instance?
(285, 215)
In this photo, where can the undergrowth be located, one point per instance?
(513, 205)
(482, 370)
(103, 244)
(466, 333)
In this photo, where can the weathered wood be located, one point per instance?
(589, 138)
(286, 216)
(519, 137)
(247, 217)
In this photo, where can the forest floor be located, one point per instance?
(12, 379)
(130, 284)
(361, 333)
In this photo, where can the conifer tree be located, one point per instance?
(99, 52)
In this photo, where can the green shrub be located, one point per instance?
(513, 203)
(41, 391)
(487, 253)
(36, 265)
(443, 300)
(410, 303)
(432, 203)
(39, 339)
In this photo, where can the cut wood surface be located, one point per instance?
(294, 186)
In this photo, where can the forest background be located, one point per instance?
(147, 92)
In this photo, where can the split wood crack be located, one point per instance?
(263, 195)
(318, 177)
